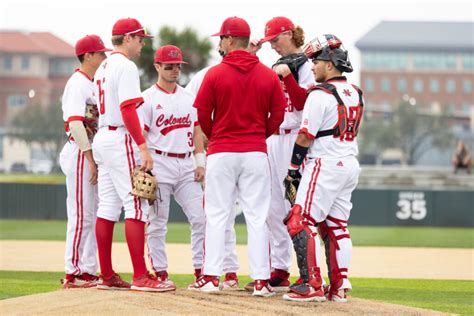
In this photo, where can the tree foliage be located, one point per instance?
(407, 128)
(196, 51)
(41, 125)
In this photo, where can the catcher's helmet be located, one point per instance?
(329, 48)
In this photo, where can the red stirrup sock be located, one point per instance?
(135, 234)
(104, 231)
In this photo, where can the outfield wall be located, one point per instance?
(378, 207)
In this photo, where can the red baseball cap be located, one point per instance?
(90, 44)
(129, 26)
(169, 54)
(276, 26)
(234, 26)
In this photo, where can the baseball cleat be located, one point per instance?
(163, 277)
(249, 286)
(262, 288)
(231, 282)
(305, 293)
(115, 282)
(77, 282)
(279, 280)
(149, 283)
(339, 296)
(205, 283)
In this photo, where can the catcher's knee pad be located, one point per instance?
(304, 243)
(332, 245)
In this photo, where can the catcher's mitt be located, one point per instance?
(291, 183)
(144, 185)
(91, 118)
(294, 62)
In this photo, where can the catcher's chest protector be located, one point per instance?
(343, 125)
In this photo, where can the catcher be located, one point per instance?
(328, 138)
(294, 69)
(176, 141)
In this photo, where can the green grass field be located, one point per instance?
(56, 178)
(446, 296)
(179, 233)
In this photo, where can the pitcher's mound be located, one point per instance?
(93, 301)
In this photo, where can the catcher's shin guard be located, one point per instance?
(304, 242)
(332, 245)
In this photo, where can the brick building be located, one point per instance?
(34, 68)
(429, 64)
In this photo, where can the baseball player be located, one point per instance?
(328, 137)
(173, 135)
(119, 147)
(77, 163)
(286, 40)
(239, 104)
(231, 263)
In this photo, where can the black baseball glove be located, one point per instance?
(291, 183)
(294, 62)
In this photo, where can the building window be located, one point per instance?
(466, 108)
(369, 85)
(434, 61)
(385, 85)
(25, 62)
(450, 86)
(16, 100)
(468, 61)
(467, 86)
(434, 86)
(402, 85)
(418, 85)
(7, 62)
(384, 60)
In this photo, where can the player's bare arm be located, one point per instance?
(199, 155)
(146, 159)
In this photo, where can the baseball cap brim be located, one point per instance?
(104, 50)
(269, 38)
(172, 62)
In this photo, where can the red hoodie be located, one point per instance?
(240, 103)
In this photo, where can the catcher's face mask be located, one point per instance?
(329, 48)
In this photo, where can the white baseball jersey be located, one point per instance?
(81, 201)
(79, 92)
(320, 113)
(116, 86)
(292, 118)
(169, 119)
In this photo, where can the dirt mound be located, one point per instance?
(183, 302)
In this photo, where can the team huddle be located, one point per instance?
(281, 142)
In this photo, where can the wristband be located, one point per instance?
(200, 159)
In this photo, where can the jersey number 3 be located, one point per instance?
(101, 96)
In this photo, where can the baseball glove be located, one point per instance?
(91, 118)
(291, 183)
(294, 62)
(144, 185)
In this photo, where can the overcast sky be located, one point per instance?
(349, 20)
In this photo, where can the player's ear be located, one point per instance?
(157, 67)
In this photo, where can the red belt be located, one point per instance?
(283, 131)
(112, 128)
(173, 155)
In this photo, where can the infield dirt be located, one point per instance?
(184, 302)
